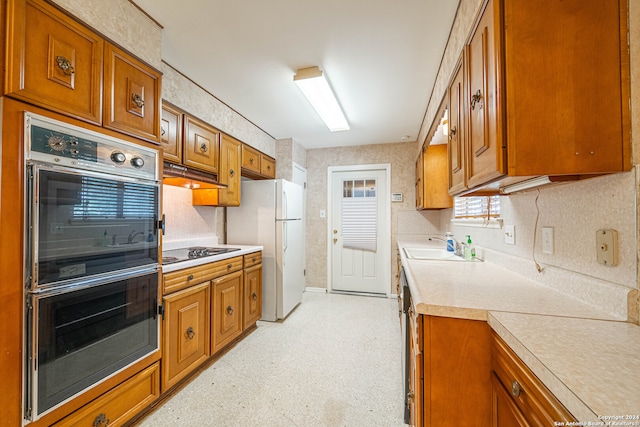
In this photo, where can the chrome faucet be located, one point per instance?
(457, 247)
(132, 236)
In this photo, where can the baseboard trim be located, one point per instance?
(318, 290)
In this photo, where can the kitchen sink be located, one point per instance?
(434, 254)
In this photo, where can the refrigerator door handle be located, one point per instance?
(284, 204)
(285, 240)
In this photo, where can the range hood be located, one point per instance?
(183, 176)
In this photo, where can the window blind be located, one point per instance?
(359, 215)
(477, 207)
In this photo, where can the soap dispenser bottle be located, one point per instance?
(450, 244)
(469, 250)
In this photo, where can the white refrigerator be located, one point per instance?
(270, 215)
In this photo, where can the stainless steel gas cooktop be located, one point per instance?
(185, 254)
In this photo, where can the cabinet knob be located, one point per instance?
(452, 132)
(190, 277)
(101, 420)
(229, 310)
(268, 167)
(254, 296)
(516, 388)
(232, 173)
(229, 266)
(203, 147)
(475, 99)
(162, 131)
(190, 333)
(137, 100)
(252, 160)
(65, 65)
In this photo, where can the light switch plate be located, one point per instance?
(607, 247)
(510, 234)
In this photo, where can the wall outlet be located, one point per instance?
(547, 240)
(510, 234)
(607, 247)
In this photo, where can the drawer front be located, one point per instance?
(54, 61)
(252, 259)
(250, 159)
(183, 279)
(119, 405)
(537, 403)
(267, 166)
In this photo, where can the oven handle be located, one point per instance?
(95, 281)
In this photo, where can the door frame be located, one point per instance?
(386, 167)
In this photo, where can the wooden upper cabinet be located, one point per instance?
(53, 61)
(132, 95)
(435, 178)
(250, 159)
(201, 145)
(485, 152)
(267, 166)
(545, 92)
(171, 133)
(229, 174)
(455, 147)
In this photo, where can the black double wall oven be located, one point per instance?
(91, 258)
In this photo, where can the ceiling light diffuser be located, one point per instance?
(315, 87)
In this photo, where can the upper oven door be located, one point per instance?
(84, 226)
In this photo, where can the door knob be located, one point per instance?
(335, 231)
(335, 240)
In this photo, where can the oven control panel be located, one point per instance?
(54, 142)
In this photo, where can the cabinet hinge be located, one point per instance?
(160, 224)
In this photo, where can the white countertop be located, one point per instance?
(244, 249)
(586, 357)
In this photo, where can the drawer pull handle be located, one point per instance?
(516, 388)
(229, 266)
(229, 310)
(137, 99)
(254, 296)
(190, 334)
(190, 277)
(251, 160)
(65, 65)
(101, 420)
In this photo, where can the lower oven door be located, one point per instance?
(79, 336)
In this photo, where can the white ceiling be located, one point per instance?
(381, 57)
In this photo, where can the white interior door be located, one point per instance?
(359, 231)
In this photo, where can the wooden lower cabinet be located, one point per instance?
(226, 310)
(416, 375)
(119, 405)
(252, 295)
(456, 372)
(186, 334)
(518, 396)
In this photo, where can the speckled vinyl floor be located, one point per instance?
(335, 361)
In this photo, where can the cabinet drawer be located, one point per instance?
(182, 279)
(250, 159)
(119, 405)
(53, 61)
(539, 406)
(267, 166)
(132, 95)
(252, 259)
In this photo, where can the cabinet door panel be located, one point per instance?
(456, 142)
(171, 133)
(229, 173)
(132, 95)
(54, 62)
(505, 412)
(484, 151)
(252, 295)
(226, 322)
(250, 159)
(186, 333)
(201, 145)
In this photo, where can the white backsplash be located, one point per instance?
(187, 225)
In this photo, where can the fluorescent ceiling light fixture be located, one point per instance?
(526, 185)
(315, 87)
